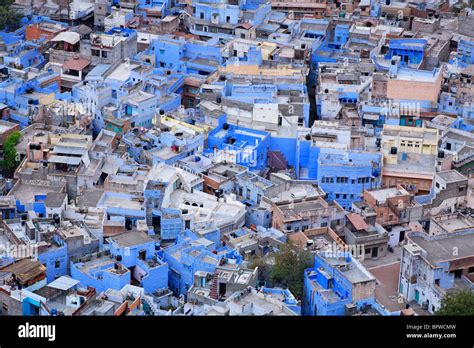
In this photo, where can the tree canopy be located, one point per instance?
(10, 157)
(289, 267)
(10, 19)
(461, 303)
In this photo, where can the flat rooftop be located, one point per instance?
(440, 249)
(122, 202)
(451, 176)
(454, 222)
(386, 290)
(415, 164)
(26, 193)
(129, 239)
(383, 194)
(355, 274)
(296, 209)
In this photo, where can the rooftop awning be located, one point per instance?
(372, 117)
(357, 221)
(70, 150)
(76, 64)
(63, 283)
(65, 160)
(67, 36)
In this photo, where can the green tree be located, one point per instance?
(10, 19)
(460, 303)
(289, 267)
(264, 270)
(10, 157)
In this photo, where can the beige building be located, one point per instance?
(418, 86)
(409, 157)
(414, 140)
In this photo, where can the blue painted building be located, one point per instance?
(338, 284)
(24, 55)
(344, 175)
(23, 96)
(465, 53)
(181, 56)
(216, 18)
(244, 146)
(133, 255)
(410, 51)
(191, 254)
(55, 258)
(289, 299)
(137, 252)
(252, 187)
(102, 274)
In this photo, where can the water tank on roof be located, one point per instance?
(56, 219)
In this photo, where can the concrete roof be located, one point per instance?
(63, 283)
(451, 176)
(67, 36)
(54, 199)
(442, 248)
(129, 239)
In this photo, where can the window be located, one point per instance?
(95, 53)
(57, 264)
(104, 54)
